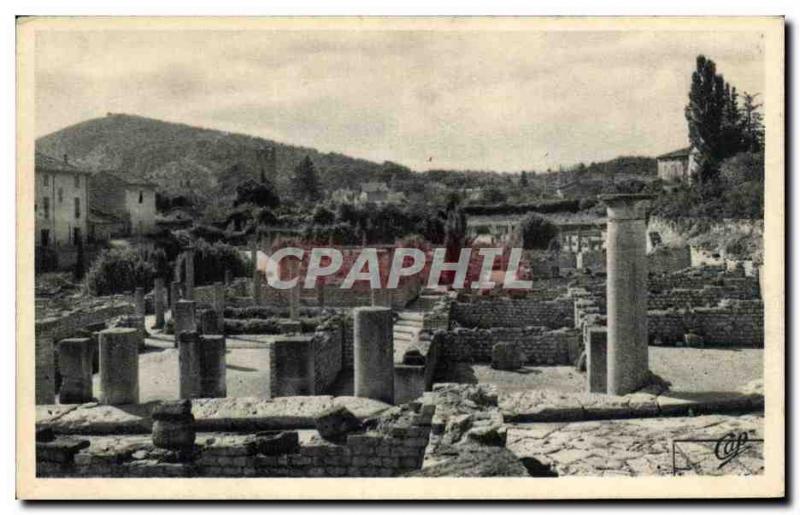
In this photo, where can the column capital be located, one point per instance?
(625, 206)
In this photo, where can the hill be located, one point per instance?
(183, 159)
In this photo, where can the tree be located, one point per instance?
(704, 114)
(523, 180)
(455, 234)
(752, 124)
(537, 232)
(323, 216)
(259, 194)
(306, 184)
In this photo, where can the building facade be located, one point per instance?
(680, 165)
(130, 202)
(62, 202)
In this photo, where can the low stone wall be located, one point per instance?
(486, 312)
(68, 324)
(668, 259)
(734, 323)
(394, 447)
(682, 297)
(335, 296)
(540, 346)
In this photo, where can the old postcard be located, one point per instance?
(400, 258)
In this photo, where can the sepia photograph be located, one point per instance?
(307, 253)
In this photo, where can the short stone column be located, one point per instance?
(189, 263)
(138, 301)
(184, 317)
(75, 365)
(595, 342)
(626, 291)
(45, 370)
(174, 296)
(119, 365)
(292, 370)
(201, 361)
(158, 302)
(373, 353)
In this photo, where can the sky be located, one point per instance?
(480, 100)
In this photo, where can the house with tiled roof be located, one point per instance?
(129, 201)
(678, 165)
(61, 202)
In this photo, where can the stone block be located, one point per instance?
(336, 423)
(596, 359)
(119, 365)
(292, 367)
(275, 443)
(75, 365)
(507, 356)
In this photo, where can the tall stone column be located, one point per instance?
(201, 367)
(373, 353)
(626, 291)
(138, 301)
(294, 292)
(189, 262)
(119, 365)
(75, 365)
(184, 316)
(45, 369)
(158, 302)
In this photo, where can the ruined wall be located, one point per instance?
(733, 323)
(396, 448)
(488, 312)
(682, 297)
(667, 259)
(541, 347)
(334, 296)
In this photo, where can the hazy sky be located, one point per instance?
(480, 100)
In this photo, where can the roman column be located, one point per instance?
(119, 365)
(138, 301)
(626, 291)
(201, 365)
(75, 365)
(373, 351)
(219, 306)
(174, 296)
(184, 317)
(189, 262)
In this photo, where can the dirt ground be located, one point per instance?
(687, 369)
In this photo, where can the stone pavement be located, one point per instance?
(641, 447)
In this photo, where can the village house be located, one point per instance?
(679, 165)
(121, 207)
(62, 202)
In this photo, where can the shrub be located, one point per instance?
(119, 271)
(537, 232)
(211, 261)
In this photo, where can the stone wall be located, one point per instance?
(733, 323)
(682, 297)
(335, 296)
(394, 447)
(486, 312)
(68, 324)
(667, 259)
(541, 346)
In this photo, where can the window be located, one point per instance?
(60, 195)
(46, 207)
(141, 196)
(77, 181)
(77, 207)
